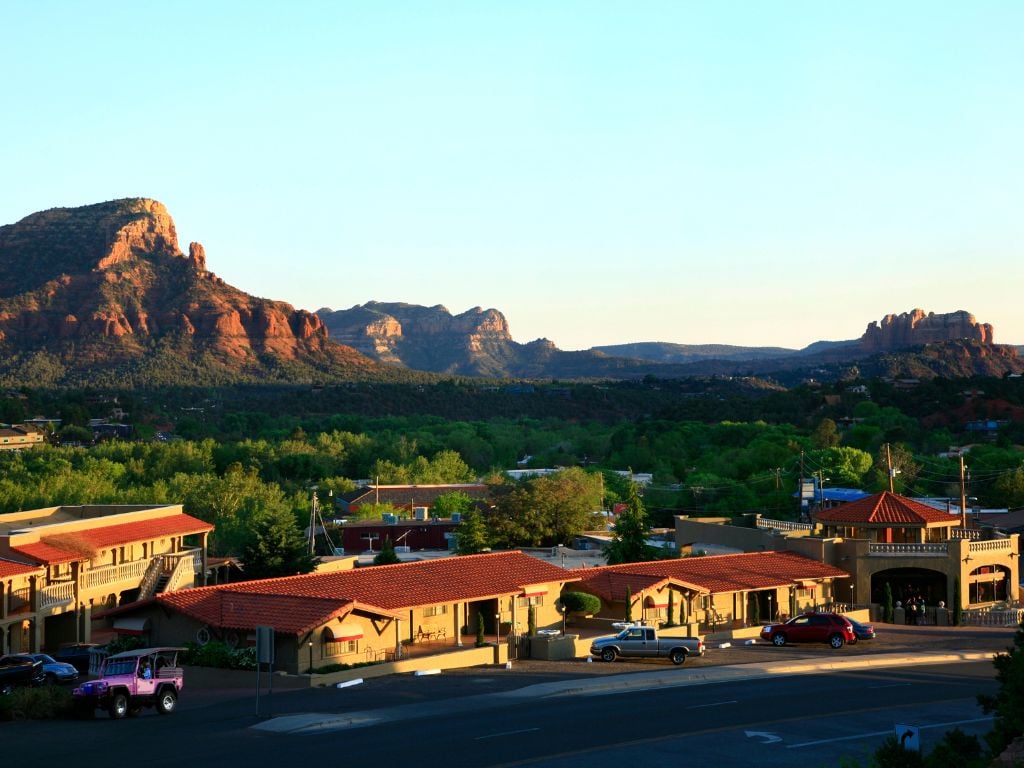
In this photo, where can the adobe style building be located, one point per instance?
(16, 438)
(363, 614)
(884, 539)
(60, 564)
(405, 497)
(712, 593)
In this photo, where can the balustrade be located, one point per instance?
(912, 550)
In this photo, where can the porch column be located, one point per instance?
(458, 624)
(202, 543)
(4, 591)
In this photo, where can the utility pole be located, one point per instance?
(778, 478)
(800, 488)
(963, 494)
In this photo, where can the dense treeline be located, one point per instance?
(246, 458)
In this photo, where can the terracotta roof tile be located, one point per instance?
(719, 573)
(235, 609)
(885, 509)
(11, 568)
(104, 537)
(408, 585)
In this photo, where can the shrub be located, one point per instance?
(44, 703)
(581, 602)
(217, 654)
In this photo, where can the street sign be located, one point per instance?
(264, 645)
(909, 737)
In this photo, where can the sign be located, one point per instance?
(909, 737)
(264, 645)
(807, 489)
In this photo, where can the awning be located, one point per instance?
(807, 583)
(342, 634)
(131, 626)
(535, 593)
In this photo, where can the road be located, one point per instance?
(811, 719)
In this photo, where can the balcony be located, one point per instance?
(992, 546)
(56, 595)
(909, 550)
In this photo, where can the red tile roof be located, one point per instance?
(717, 573)
(884, 509)
(388, 588)
(50, 550)
(234, 609)
(11, 568)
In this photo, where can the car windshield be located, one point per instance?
(45, 659)
(120, 667)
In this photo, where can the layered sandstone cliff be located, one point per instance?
(917, 327)
(109, 281)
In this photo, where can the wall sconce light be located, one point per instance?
(968, 559)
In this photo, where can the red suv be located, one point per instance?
(828, 628)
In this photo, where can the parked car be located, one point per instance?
(643, 642)
(830, 628)
(76, 654)
(19, 669)
(862, 631)
(132, 680)
(55, 671)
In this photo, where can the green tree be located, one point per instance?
(888, 603)
(471, 534)
(446, 503)
(1008, 490)
(671, 608)
(387, 555)
(580, 602)
(825, 435)
(629, 541)
(1008, 702)
(276, 548)
(531, 621)
(480, 630)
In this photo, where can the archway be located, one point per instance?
(906, 583)
(988, 584)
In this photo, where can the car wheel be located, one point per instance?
(608, 654)
(778, 639)
(118, 706)
(166, 701)
(836, 641)
(678, 656)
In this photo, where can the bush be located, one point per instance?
(217, 654)
(44, 703)
(580, 602)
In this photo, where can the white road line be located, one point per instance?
(888, 732)
(716, 704)
(506, 733)
(894, 685)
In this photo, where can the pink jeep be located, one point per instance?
(129, 681)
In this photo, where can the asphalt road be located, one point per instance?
(542, 714)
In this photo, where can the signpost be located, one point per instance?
(264, 655)
(909, 737)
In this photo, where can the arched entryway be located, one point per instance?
(988, 584)
(906, 583)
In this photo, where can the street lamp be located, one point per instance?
(311, 657)
(771, 616)
(852, 596)
(497, 629)
(562, 610)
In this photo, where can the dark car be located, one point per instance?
(828, 628)
(20, 669)
(75, 654)
(861, 630)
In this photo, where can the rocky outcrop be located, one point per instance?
(109, 281)
(917, 327)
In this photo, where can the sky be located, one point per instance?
(749, 173)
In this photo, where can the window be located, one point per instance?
(525, 602)
(435, 610)
(339, 647)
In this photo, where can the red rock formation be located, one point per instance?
(917, 327)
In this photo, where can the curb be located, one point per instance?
(313, 722)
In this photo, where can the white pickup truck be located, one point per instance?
(643, 642)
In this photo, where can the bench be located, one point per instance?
(431, 633)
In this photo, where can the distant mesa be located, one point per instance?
(105, 291)
(917, 327)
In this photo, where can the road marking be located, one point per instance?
(884, 733)
(506, 733)
(894, 685)
(716, 704)
(769, 738)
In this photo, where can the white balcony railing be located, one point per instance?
(992, 545)
(964, 533)
(57, 594)
(115, 574)
(782, 525)
(908, 550)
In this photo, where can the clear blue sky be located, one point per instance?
(733, 172)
